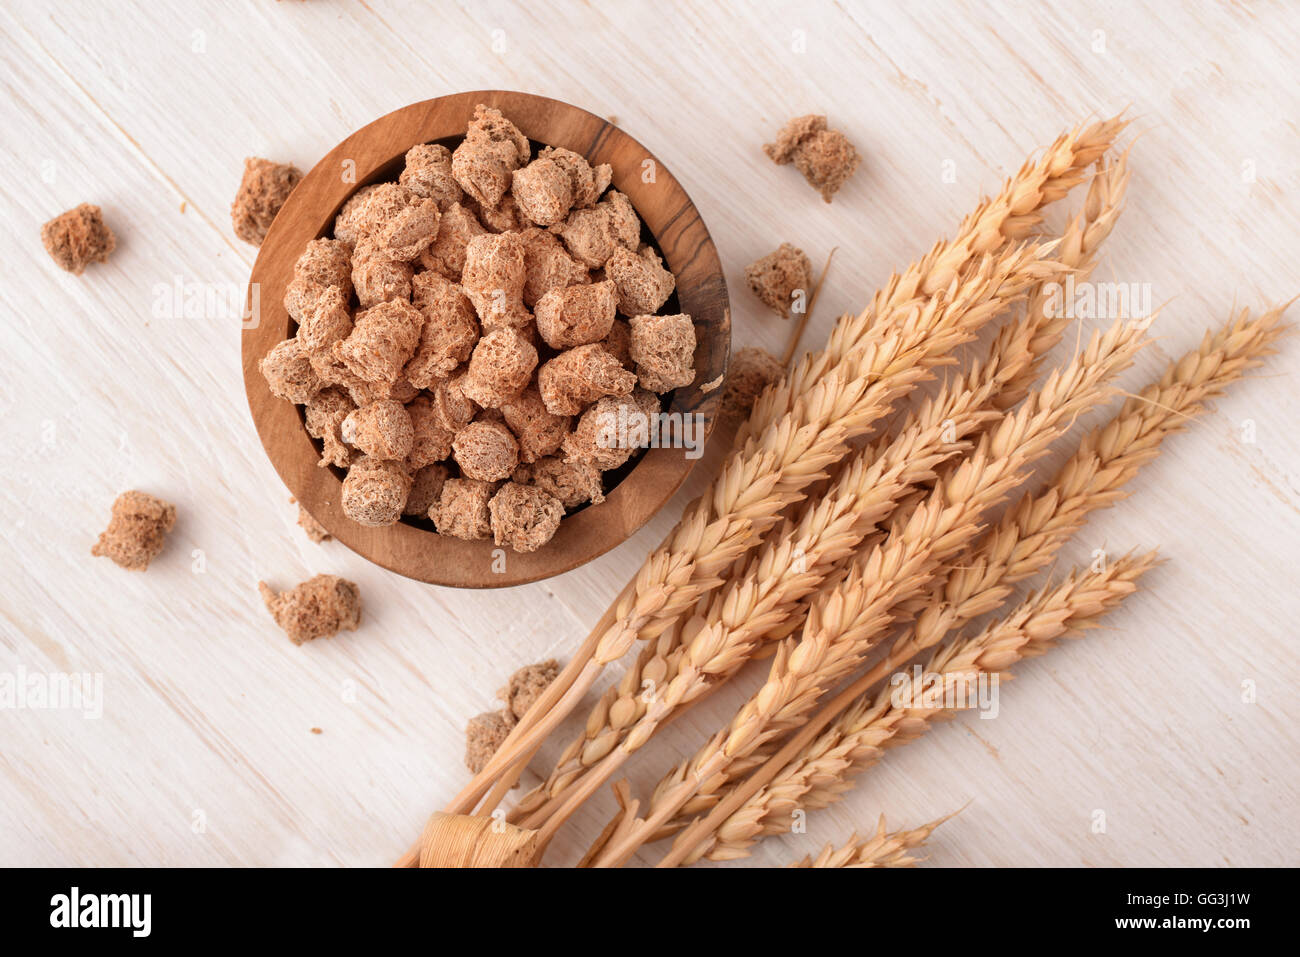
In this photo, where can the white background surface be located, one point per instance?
(148, 111)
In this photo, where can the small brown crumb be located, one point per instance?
(449, 333)
(427, 173)
(324, 417)
(547, 266)
(524, 517)
(426, 489)
(543, 191)
(137, 530)
(500, 367)
(486, 451)
(383, 340)
(588, 182)
(318, 608)
(538, 431)
(592, 235)
(778, 276)
(576, 315)
(288, 372)
(316, 731)
(571, 483)
(642, 282)
(494, 279)
(526, 686)
(663, 349)
(262, 191)
(825, 156)
(750, 372)
(462, 510)
(381, 429)
(314, 529)
(374, 491)
(77, 238)
(577, 377)
(447, 253)
(483, 735)
(431, 441)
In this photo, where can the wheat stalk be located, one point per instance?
(764, 596)
(842, 628)
(881, 849)
(815, 766)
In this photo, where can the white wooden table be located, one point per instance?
(204, 752)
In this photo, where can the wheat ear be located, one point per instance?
(814, 768)
(881, 849)
(842, 628)
(764, 596)
(768, 474)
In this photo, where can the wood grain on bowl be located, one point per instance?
(374, 154)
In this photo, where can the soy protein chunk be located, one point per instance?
(137, 530)
(318, 608)
(262, 191)
(77, 238)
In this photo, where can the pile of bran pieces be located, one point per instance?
(324, 605)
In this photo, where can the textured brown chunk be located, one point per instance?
(588, 182)
(427, 174)
(524, 517)
(777, 277)
(571, 483)
(288, 372)
(426, 489)
(492, 149)
(381, 429)
(576, 315)
(383, 340)
(526, 686)
(431, 441)
(642, 282)
(449, 333)
(538, 432)
(378, 279)
(324, 417)
(326, 262)
(504, 217)
(578, 377)
(462, 510)
(486, 451)
(547, 265)
(500, 367)
(410, 232)
(663, 349)
(592, 235)
(77, 238)
(543, 191)
(610, 431)
(619, 342)
(825, 156)
(750, 372)
(262, 191)
(318, 608)
(494, 279)
(375, 490)
(137, 530)
(330, 321)
(447, 252)
(453, 407)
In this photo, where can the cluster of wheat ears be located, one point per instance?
(844, 556)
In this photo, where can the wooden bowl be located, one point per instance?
(375, 154)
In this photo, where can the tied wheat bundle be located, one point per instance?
(812, 546)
